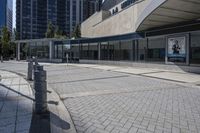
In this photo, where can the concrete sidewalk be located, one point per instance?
(171, 75)
(16, 104)
(16, 108)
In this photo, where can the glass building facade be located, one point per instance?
(32, 16)
(3, 13)
(177, 46)
(6, 14)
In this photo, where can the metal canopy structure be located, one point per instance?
(160, 13)
(133, 36)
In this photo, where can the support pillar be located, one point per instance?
(50, 51)
(99, 51)
(18, 52)
(132, 51)
(136, 50)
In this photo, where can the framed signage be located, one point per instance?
(176, 47)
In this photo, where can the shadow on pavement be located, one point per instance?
(59, 123)
(15, 113)
(40, 123)
(21, 94)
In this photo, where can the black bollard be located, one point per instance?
(40, 86)
(30, 70)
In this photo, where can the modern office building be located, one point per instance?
(34, 15)
(155, 31)
(89, 8)
(6, 14)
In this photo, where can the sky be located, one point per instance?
(14, 13)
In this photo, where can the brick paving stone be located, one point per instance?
(90, 129)
(133, 130)
(149, 105)
(151, 127)
(109, 128)
(175, 130)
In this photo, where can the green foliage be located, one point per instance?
(5, 43)
(77, 32)
(59, 33)
(54, 32)
(50, 30)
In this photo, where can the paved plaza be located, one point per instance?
(107, 99)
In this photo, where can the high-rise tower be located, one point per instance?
(6, 14)
(34, 15)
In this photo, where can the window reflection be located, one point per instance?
(195, 48)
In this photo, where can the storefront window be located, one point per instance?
(156, 49)
(32, 49)
(84, 51)
(195, 48)
(115, 50)
(142, 50)
(39, 50)
(74, 51)
(126, 50)
(104, 51)
(93, 51)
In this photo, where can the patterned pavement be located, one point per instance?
(106, 101)
(133, 103)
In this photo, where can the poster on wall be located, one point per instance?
(177, 47)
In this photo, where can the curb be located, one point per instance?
(62, 117)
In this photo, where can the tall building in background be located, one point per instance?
(6, 14)
(90, 7)
(32, 16)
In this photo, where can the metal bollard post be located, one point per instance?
(36, 61)
(35, 65)
(40, 86)
(30, 70)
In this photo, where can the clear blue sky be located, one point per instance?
(14, 13)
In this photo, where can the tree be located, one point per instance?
(58, 32)
(5, 43)
(50, 30)
(77, 32)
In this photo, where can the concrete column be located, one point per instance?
(50, 51)
(166, 50)
(188, 49)
(120, 50)
(99, 51)
(136, 50)
(18, 52)
(132, 51)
